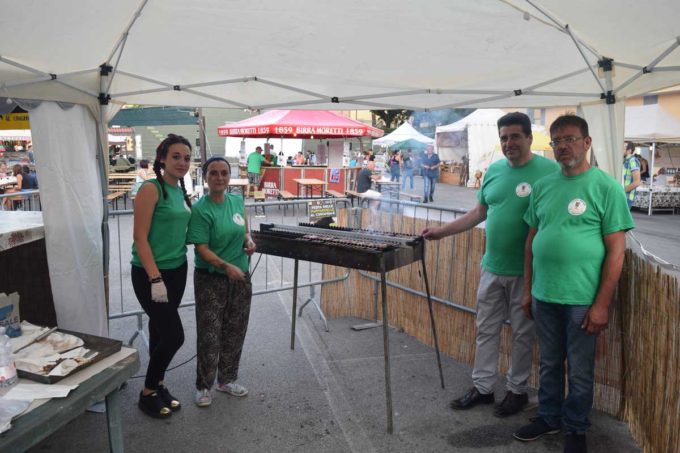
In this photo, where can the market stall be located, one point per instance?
(652, 125)
(308, 124)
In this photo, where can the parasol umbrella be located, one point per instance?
(299, 124)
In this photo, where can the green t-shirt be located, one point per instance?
(572, 216)
(222, 227)
(168, 229)
(630, 164)
(255, 160)
(505, 192)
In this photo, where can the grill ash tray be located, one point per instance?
(103, 346)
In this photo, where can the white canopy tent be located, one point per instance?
(651, 124)
(240, 54)
(475, 135)
(403, 132)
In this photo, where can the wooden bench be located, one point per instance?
(258, 196)
(119, 187)
(334, 194)
(114, 196)
(411, 197)
(285, 195)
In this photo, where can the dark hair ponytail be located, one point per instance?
(162, 152)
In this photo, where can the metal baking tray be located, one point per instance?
(104, 346)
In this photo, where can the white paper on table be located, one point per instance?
(23, 391)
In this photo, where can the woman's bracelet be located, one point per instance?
(156, 279)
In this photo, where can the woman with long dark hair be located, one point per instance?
(159, 266)
(222, 288)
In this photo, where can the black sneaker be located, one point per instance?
(471, 399)
(575, 443)
(537, 428)
(431, 200)
(512, 403)
(169, 400)
(153, 406)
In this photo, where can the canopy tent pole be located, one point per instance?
(651, 178)
(102, 166)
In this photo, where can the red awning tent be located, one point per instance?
(299, 124)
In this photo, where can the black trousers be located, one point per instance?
(166, 334)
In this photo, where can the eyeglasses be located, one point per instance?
(566, 140)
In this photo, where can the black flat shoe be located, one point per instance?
(153, 406)
(169, 400)
(471, 399)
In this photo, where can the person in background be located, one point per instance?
(29, 180)
(255, 162)
(269, 157)
(644, 167)
(574, 253)
(143, 174)
(502, 202)
(290, 161)
(430, 166)
(395, 166)
(13, 202)
(366, 177)
(299, 158)
(631, 173)
(407, 167)
(29, 150)
(159, 266)
(222, 244)
(3, 169)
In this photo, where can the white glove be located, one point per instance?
(159, 293)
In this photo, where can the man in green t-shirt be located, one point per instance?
(255, 162)
(574, 254)
(503, 199)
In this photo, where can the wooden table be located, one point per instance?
(236, 184)
(306, 187)
(122, 176)
(37, 424)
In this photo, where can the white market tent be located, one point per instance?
(402, 133)
(651, 124)
(291, 54)
(475, 135)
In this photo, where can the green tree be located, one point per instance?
(388, 120)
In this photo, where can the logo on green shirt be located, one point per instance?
(523, 189)
(576, 207)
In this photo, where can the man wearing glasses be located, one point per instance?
(503, 200)
(573, 258)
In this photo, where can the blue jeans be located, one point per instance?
(560, 337)
(394, 177)
(428, 186)
(407, 174)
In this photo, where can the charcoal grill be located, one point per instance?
(355, 249)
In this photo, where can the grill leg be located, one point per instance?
(295, 289)
(434, 328)
(386, 346)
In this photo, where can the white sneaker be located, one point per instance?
(203, 398)
(232, 388)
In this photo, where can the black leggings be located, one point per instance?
(166, 334)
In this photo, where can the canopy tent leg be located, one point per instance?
(651, 178)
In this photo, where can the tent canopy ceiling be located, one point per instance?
(233, 54)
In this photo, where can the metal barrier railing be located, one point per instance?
(257, 212)
(24, 200)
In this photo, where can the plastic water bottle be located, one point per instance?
(8, 371)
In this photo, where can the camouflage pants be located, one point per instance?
(222, 311)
